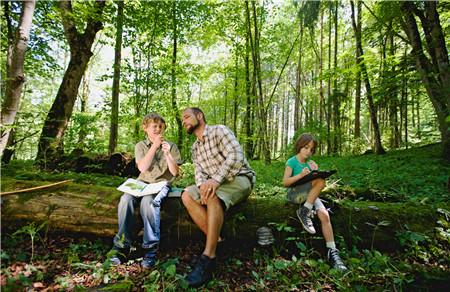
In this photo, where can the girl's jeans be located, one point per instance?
(150, 212)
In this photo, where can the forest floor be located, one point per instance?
(36, 259)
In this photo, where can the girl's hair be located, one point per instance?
(303, 140)
(153, 118)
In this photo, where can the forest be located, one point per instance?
(369, 79)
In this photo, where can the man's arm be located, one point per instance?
(230, 148)
(200, 176)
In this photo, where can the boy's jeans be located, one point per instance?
(150, 213)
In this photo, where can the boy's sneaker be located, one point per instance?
(335, 259)
(118, 256)
(305, 215)
(149, 260)
(202, 271)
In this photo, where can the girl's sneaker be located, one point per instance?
(305, 215)
(335, 259)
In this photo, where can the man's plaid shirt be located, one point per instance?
(219, 156)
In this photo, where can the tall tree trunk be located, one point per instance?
(84, 97)
(137, 96)
(175, 109)
(15, 76)
(373, 115)
(329, 138)
(235, 93)
(298, 81)
(336, 95)
(257, 82)
(435, 74)
(262, 111)
(225, 100)
(249, 105)
(50, 142)
(358, 77)
(116, 81)
(322, 109)
(393, 97)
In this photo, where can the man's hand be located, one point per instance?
(208, 189)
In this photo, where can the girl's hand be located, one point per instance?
(313, 165)
(305, 172)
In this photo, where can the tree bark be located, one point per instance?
(235, 94)
(373, 115)
(336, 95)
(329, 138)
(15, 76)
(51, 141)
(358, 77)
(435, 74)
(116, 81)
(264, 138)
(249, 99)
(84, 98)
(298, 81)
(322, 109)
(175, 109)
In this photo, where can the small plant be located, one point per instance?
(375, 228)
(165, 280)
(31, 230)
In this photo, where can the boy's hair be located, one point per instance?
(303, 140)
(153, 118)
(196, 111)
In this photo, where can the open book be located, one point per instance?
(313, 175)
(138, 188)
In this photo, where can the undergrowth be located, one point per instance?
(33, 259)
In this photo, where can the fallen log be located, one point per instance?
(93, 209)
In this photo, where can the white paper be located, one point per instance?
(139, 188)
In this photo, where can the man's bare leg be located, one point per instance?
(215, 217)
(196, 211)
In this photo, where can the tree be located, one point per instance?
(358, 77)
(174, 74)
(15, 71)
(80, 43)
(116, 80)
(434, 70)
(373, 116)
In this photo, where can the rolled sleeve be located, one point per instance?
(139, 151)
(200, 176)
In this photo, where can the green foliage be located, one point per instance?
(32, 231)
(428, 248)
(165, 278)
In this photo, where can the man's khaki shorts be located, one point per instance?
(230, 193)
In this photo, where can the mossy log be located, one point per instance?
(78, 208)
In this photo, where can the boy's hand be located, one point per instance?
(157, 141)
(165, 148)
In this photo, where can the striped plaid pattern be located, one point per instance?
(219, 156)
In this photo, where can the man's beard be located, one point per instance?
(191, 129)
